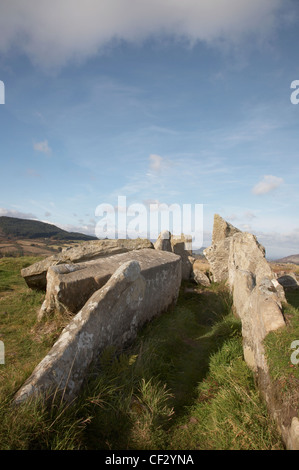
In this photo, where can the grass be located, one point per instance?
(285, 267)
(191, 360)
(227, 413)
(25, 341)
(283, 359)
(183, 384)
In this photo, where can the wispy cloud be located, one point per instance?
(32, 173)
(247, 215)
(268, 183)
(42, 146)
(86, 228)
(280, 244)
(155, 162)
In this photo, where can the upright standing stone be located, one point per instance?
(218, 253)
(163, 241)
(182, 246)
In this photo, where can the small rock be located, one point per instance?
(288, 281)
(199, 276)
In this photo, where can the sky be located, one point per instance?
(159, 101)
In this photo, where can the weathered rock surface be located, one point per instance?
(180, 245)
(222, 229)
(218, 253)
(112, 316)
(35, 275)
(257, 300)
(293, 435)
(217, 256)
(198, 275)
(288, 281)
(163, 241)
(247, 254)
(239, 259)
(69, 286)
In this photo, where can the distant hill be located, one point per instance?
(289, 259)
(12, 227)
(200, 251)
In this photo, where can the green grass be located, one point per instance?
(25, 342)
(183, 384)
(201, 394)
(227, 413)
(10, 279)
(279, 352)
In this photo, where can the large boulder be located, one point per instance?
(257, 300)
(112, 316)
(163, 241)
(247, 254)
(35, 275)
(288, 281)
(198, 275)
(217, 256)
(238, 258)
(222, 229)
(180, 245)
(69, 286)
(218, 253)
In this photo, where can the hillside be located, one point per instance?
(14, 228)
(294, 259)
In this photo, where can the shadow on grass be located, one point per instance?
(172, 353)
(292, 297)
(213, 325)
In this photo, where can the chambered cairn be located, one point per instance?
(110, 288)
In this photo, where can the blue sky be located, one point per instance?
(159, 101)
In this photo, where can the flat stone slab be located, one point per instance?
(111, 316)
(35, 275)
(69, 286)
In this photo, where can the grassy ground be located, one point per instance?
(25, 342)
(282, 347)
(285, 267)
(183, 384)
(10, 248)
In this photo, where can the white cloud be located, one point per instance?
(268, 183)
(17, 214)
(232, 218)
(32, 173)
(42, 147)
(249, 215)
(245, 227)
(85, 228)
(279, 245)
(51, 33)
(155, 162)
